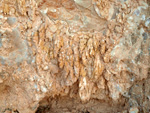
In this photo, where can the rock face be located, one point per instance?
(83, 49)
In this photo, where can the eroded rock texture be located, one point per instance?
(81, 49)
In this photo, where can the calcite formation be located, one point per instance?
(47, 46)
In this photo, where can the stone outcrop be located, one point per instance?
(48, 46)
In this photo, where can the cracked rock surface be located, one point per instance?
(74, 56)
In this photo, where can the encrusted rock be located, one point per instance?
(91, 49)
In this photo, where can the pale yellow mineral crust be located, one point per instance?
(47, 46)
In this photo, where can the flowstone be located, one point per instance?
(90, 52)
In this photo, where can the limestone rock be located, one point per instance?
(84, 49)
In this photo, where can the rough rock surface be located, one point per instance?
(74, 56)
